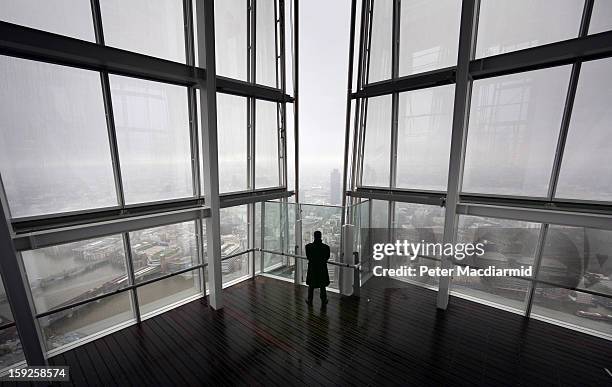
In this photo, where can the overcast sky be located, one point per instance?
(324, 44)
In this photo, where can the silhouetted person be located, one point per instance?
(317, 253)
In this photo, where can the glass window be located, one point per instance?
(508, 244)
(513, 131)
(577, 257)
(163, 250)
(585, 170)
(54, 149)
(150, 28)
(381, 41)
(152, 123)
(377, 147)
(418, 223)
(265, 49)
(50, 16)
(11, 352)
(232, 139)
(571, 307)
(234, 239)
(429, 35)
(74, 324)
(601, 19)
(424, 131)
(231, 38)
(511, 25)
(68, 273)
(10, 344)
(266, 145)
(163, 293)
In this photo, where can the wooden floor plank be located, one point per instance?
(390, 336)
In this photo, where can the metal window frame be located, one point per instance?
(546, 210)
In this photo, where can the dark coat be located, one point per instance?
(317, 253)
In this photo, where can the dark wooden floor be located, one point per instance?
(391, 336)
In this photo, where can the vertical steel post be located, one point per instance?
(18, 295)
(205, 20)
(347, 129)
(467, 44)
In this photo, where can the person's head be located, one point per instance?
(317, 235)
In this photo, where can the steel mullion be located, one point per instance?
(127, 246)
(347, 212)
(569, 104)
(536, 263)
(467, 44)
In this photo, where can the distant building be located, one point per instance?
(335, 191)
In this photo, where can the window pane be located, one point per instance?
(232, 140)
(575, 308)
(231, 38)
(578, 257)
(424, 131)
(380, 46)
(601, 19)
(266, 145)
(265, 49)
(152, 123)
(64, 274)
(150, 28)
(77, 323)
(513, 131)
(511, 25)
(10, 344)
(586, 169)
(234, 239)
(163, 250)
(168, 291)
(418, 223)
(10, 348)
(429, 35)
(50, 16)
(377, 147)
(508, 244)
(54, 149)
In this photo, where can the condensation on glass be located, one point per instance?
(377, 147)
(265, 43)
(586, 169)
(54, 148)
(601, 19)
(154, 28)
(267, 168)
(424, 132)
(379, 65)
(513, 131)
(231, 38)
(429, 35)
(505, 26)
(152, 124)
(160, 251)
(51, 16)
(232, 143)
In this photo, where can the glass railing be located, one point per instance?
(288, 227)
